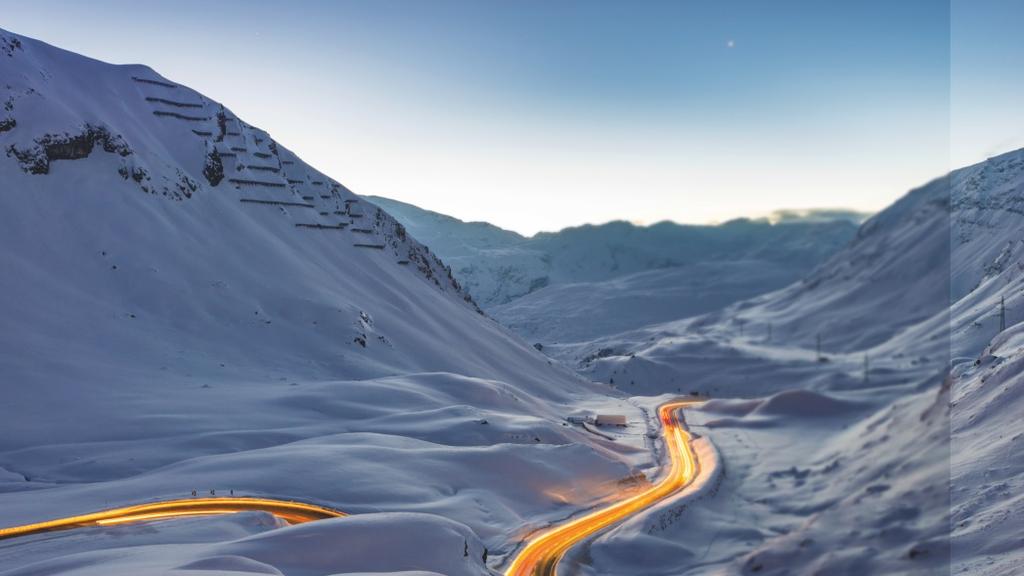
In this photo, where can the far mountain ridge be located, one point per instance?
(606, 278)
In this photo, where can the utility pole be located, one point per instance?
(817, 345)
(1002, 313)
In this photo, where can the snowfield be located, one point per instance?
(397, 544)
(986, 464)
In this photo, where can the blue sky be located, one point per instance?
(538, 115)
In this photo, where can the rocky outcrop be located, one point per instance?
(214, 168)
(36, 159)
(9, 45)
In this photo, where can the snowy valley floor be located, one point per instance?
(815, 477)
(788, 472)
(408, 456)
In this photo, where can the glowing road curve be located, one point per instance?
(292, 512)
(541, 554)
(538, 557)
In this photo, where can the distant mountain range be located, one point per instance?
(611, 277)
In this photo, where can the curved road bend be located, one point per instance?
(541, 555)
(292, 512)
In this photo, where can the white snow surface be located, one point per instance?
(405, 544)
(988, 460)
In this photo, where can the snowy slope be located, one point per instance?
(840, 463)
(187, 305)
(987, 471)
(987, 261)
(584, 311)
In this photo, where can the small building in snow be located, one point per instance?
(610, 420)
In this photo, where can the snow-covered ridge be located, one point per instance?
(172, 141)
(499, 266)
(604, 279)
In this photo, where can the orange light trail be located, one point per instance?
(290, 511)
(541, 555)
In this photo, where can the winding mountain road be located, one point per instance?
(290, 511)
(540, 555)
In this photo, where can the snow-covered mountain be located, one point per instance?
(924, 278)
(840, 459)
(613, 277)
(494, 265)
(188, 305)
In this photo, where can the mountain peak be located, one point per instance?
(164, 139)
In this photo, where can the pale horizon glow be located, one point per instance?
(540, 116)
